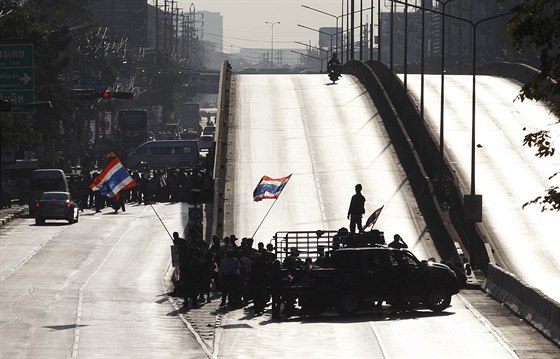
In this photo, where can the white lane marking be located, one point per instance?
(26, 259)
(81, 290)
(491, 328)
(377, 335)
(167, 274)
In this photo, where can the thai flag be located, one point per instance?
(270, 187)
(112, 180)
(373, 218)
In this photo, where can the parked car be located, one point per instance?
(56, 205)
(45, 180)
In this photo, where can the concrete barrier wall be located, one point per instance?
(520, 72)
(542, 312)
(222, 117)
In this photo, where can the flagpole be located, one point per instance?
(273, 203)
(163, 224)
(256, 230)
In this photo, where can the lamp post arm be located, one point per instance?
(313, 57)
(314, 47)
(322, 12)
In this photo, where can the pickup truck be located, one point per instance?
(352, 278)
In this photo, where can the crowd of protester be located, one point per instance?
(173, 185)
(235, 272)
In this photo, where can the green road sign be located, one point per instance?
(18, 98)
(16, 79)
(16, 55)
(16, 74)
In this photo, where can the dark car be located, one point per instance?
(56, 205)
(352, 277)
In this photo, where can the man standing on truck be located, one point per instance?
(356, 210)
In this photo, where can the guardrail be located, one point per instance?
(528, 303)
(219, 172)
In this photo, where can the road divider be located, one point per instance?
(528, 303)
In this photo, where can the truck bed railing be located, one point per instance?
(314, 244)
(308, 243)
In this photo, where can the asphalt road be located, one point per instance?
(524, 241)
(330, 137)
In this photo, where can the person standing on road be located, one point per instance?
(276, 289)
(356, 210)
(181, 245)
(229, 270)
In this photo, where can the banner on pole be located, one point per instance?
(269, 188)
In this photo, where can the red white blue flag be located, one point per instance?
(112, 180)
(270, 188)
(373, 218)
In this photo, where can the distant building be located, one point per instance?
(212, 31)
(457, 25)
(328, 37)
(127, 18)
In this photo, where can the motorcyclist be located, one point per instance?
(334, 63)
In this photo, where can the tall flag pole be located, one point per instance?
(269, 188)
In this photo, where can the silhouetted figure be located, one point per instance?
(397, 242)
(356, 210)
(276, 289)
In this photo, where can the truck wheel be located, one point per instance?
(39, 220)
(438, 299)
(346, 304)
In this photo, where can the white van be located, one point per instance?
(45, 180)
(165, 154)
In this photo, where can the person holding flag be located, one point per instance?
(114, 179)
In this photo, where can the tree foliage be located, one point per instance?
(534, 27)
(42, 24)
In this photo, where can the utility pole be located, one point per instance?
(272, 42)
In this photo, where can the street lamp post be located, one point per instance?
(337, 30)
(322, 32)
(474, 201)
(331, 15)
(313, 57)
(442, 69)
(310, 46)
(272, 41)
(319, 31)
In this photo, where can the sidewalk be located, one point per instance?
(8, 214)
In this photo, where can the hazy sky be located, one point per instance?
(244, 20)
